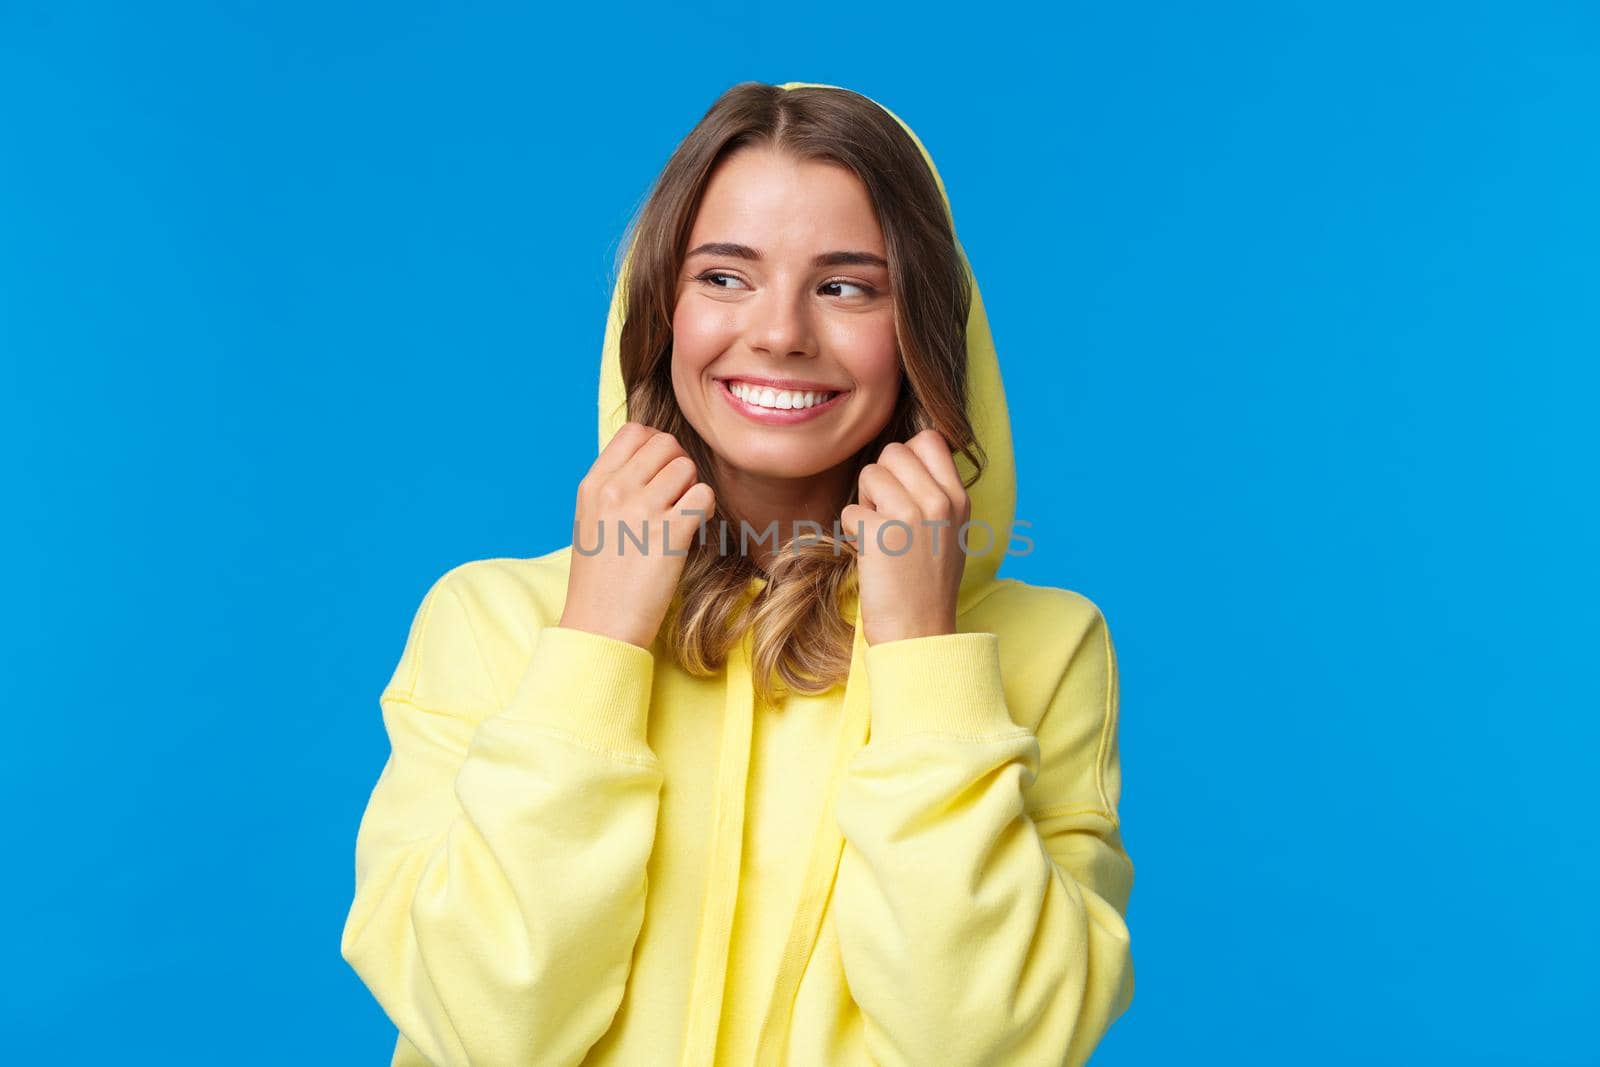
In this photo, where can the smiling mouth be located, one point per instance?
(778, 399)
(778, 407)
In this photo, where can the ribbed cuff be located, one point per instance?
(593, 687)
(947, 683)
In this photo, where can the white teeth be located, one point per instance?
(777, 399)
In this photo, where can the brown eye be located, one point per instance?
(705, 278)
(866, 290)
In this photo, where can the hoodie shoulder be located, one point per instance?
(1050, 638)
(530, 590)
(1060, 670)
(475, 628)
(1014, 609)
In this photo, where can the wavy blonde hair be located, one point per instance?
(801, 639)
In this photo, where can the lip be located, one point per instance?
(775, 416)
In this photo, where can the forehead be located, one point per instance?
(776, 203)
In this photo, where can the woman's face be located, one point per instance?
(784, 357)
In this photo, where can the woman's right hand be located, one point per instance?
(642, 479)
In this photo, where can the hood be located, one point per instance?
(993, 495)
(993, 501)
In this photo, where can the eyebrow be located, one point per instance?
(826, 259)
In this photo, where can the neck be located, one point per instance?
(763, 501)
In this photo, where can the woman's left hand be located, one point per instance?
(909, 575)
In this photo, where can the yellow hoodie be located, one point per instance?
(576, 852)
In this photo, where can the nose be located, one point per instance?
(780, 324)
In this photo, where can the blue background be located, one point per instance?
(1299, 312)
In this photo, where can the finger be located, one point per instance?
(662, 448)
(909, 467)
(940, 461)
(892, 504)
(623, 444)
(671, 482)
(857, 522)
(682, 529)
(698, 498)
(883, 493)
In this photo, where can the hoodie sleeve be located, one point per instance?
(500, 863)
(980, 903)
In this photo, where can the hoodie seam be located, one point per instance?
(1108, 723)
(424, 615)
(402, 698)
(584, 743)
(1056, 811)
(477, 646)
(962, 735)
(627, 757)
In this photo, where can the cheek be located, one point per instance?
(871, 354)
(699, 334)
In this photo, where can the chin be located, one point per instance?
(751, 455)
(795, 467)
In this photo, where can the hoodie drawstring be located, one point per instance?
(827, 847)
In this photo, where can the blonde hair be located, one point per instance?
(801, 639)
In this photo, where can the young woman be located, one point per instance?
(769, 765)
